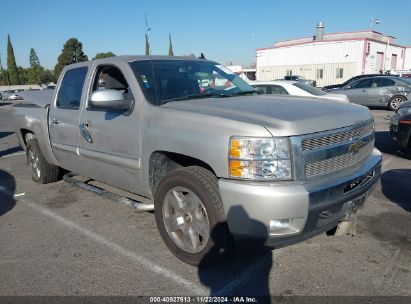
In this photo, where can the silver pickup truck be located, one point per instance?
(219, 161)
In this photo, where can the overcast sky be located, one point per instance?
(225, 30)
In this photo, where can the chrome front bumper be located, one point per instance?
(316, 207)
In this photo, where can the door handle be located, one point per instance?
(54, 121)
(85, 132)
(364, 90)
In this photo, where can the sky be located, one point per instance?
(224, 30)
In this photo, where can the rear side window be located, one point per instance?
(71, 88)
(383, 82)
(276, 89)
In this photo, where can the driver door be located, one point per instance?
(110, 141)
(357, 92)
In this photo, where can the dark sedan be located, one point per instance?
(400, 127)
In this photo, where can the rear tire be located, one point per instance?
(395, 102)
(41, 171)
(190, 216)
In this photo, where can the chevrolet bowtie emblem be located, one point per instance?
(356, 146)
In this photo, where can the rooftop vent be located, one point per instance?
(319, 32)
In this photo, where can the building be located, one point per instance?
(247, 74)
(333, 58)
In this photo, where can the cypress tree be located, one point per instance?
(72, 52)
(11, 64)
(170, 48)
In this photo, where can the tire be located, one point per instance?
(190, 216)
(41, 171)
(394, 102)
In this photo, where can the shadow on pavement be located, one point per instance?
(10, 151)
(7, 189)
(396, 186)
(245, 272)
(385, 143)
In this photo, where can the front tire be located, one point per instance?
(41, 171)
(190, 216)
(395, 102)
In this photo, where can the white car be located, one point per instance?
(296, 88)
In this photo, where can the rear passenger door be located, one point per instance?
(64, 119)
(110, 141)
(379, 91)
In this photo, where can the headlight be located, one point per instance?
(260, 158)
(404, 111)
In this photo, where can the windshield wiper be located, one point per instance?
(196, 96)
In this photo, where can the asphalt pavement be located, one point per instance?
(58, 239)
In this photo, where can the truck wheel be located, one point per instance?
(190, 216)
(395, 102)
(41, 171)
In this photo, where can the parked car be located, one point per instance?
(385, 91)
(400, 127)
(14, 96)
(216, 164)
(351, 80)
(296, 88)
(312, 83)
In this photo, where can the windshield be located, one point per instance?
(163, 81)
(309, 89)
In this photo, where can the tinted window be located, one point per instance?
(363, 83)
(383, 82)
(276, 89)
(71, 88)
(263, 89)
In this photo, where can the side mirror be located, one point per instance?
(111, 100)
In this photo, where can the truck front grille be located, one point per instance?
(323, 141)
(339, 162)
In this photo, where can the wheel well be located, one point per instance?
(162, 162)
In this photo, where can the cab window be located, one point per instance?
(71, 88)
(109, 77)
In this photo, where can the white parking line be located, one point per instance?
(14, 154)
(123, 251)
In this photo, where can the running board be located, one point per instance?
(138, 205)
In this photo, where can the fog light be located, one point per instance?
(275, 225)
(285, 226)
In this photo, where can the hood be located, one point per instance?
(281, 115)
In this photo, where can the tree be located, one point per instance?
(170, 47)
(104, 55)
(23, 75)
(34, 74)
(34, 59)
(72, 52)
(48, 77)
(148, 51)
(4, 78)
(11, 64)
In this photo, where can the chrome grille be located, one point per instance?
(339, 162)
(323, 141)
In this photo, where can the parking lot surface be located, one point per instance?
(58, 239)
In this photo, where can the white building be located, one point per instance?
(247, 74)
(333, 58)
